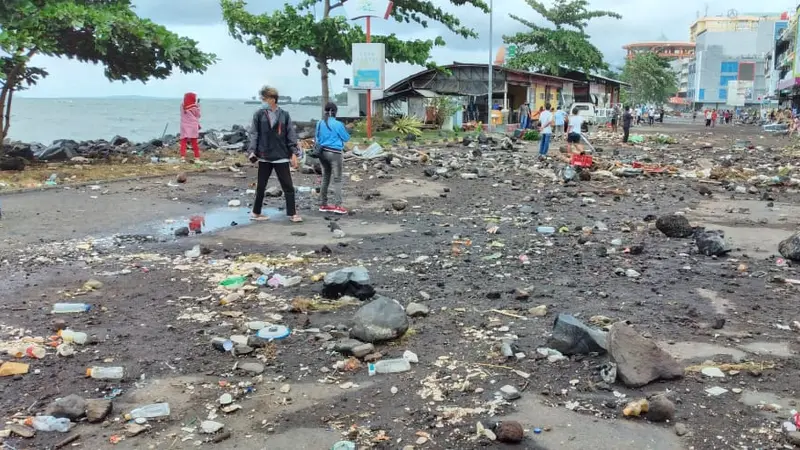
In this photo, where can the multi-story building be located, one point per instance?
(786, 68)
(731, 57)
(731, 23)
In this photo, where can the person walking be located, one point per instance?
(546, 122)
(273, 144)
(708, 118)
(330, 137)
(523, 116)
(190, 124)
(574, 132)
(627, 120)
(560, 118)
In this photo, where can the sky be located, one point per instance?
(241, 71)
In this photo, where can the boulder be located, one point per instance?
(352, 281)
(97, 410)
(660, 409)
(16, 164)
(789, 248)
(674, 226)
(61, 150)
(382, 319)
(509, 431)
(118, 140)
(639, 360)
(417, 310)
(711, 243)
(573, 337)
(73, 407)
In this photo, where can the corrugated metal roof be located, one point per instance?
(426, 93)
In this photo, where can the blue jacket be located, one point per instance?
(331, 134)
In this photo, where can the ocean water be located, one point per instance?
(138, 119)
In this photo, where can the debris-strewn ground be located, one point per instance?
(450, 232)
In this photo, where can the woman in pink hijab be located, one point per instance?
(190, 124)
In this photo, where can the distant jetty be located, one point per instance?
(283, 99)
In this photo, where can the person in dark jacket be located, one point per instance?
(627, 120)
(273, 145)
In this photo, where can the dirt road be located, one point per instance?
(157, 310)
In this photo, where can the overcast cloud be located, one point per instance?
(241, 71)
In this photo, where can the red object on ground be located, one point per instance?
(196, 223)
(581, 161)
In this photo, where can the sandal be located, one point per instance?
(295, 219)
(259, 217)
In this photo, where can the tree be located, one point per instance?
(564, 45)
(329, 39)
(105, 32)
(651, 78)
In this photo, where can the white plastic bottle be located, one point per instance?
(48, 423)
(61, 308)
(105, 373)
(151, 411)
(77, 337)
(389, 366)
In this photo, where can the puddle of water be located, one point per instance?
(214, 220)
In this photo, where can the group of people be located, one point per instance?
(274, 147)
(712, 116)
(647, 114)
(551, 120)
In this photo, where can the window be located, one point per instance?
(723, 94)
(723, 80)
(701, 94)
(729, 67)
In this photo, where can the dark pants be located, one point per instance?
(284, 178)
(626, 131)
(544, 143)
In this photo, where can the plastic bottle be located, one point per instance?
(546, 230)
(105, 373)
(77, 337)
(390, 366)
(35, 351)
(149, 411)
(48, 423)
(60, 308)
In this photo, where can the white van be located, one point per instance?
(585, 110)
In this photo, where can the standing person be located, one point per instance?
(535, 116)
(661, 116)
(546, 122)
(331, 136)
(651, 116)
(627, 120)
(713, 117)
(574, 131)
(694, 115)
(523, 116)
(708, 118)
(614, 118)
(560, 117)
(190, 124)
(273, 144)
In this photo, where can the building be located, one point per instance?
(732, 23)
(664, 49)
(731, 57)
(510, 88)
(786, 70)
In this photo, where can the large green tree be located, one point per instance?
(651, 79)
(329, 38)
(105, 32)
(563, 44)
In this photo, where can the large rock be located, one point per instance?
(573, 337)
(674, 226)
(639, 360)
(789, 248)
(97, 410)
(352, 281)
(73, 407)
(61, 150)
(711, 243)
(382, 319)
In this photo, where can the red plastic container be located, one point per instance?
(196, 223)
(581, 161)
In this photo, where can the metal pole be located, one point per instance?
(491, 68)
(369, 91)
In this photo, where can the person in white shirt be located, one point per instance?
(546, 122)
(574, 132)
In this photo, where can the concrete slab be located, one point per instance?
(779, 349)
(756, 398)
(573, 431)
(313, 231)
(700, 351)
(720, 305)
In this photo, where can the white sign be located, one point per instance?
(736, 93)
(358, 9)
(369, 61)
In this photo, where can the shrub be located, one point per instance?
(406, 125)
(531, 135)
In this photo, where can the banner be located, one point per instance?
(369, 66)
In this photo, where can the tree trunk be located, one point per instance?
(6, 121)
(13, 79)
(3, 120)
(324, 77)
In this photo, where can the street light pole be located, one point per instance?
(491, 69)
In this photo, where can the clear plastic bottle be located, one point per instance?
(48, 423)
(390, 366)
(35, 351)
(77, 337)
(60, 308)
(151, 411)
(546, 230)
(105, 373)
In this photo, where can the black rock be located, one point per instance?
(573, 337)
(352, 281)
(711, 243)
(182, 231)
(789, 248)
(116, 141)
(674, 226)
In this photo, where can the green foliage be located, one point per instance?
(531, 135)
(339, 99)
(651, 78)
(565, 44)
(296, 29)
(105, 32)
(663, 139)
(443, 108)
(406, 125)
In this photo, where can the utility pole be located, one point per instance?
(491, 69)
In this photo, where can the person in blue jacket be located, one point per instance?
(331, 136)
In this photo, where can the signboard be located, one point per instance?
(511, 51)
(369, 61)
(359, 9)
(736, 93)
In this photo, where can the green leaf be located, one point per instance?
(651, 79)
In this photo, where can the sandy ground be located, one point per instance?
(53, 241)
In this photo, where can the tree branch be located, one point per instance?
(337, 5)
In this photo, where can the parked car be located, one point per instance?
(587, 110)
